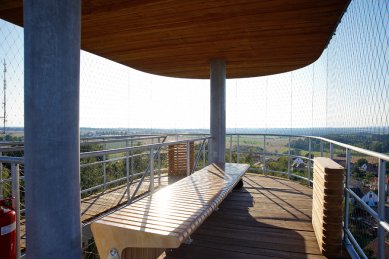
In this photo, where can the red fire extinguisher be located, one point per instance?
(7, 230)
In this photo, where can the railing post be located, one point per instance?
(263, 155)
(128, 175)
(347, 195)
(237, 149)
(104, 172)
(151, 166)
(1, 179)
(159, 165)
(204, 153)
(331, 151)
(289, 157)
(381, 207)
(231, 148)
(187, 158)
(309, 165)
(16, 203)
(321, 148)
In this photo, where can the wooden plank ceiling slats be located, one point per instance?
(178, 38)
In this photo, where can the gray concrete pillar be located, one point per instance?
(218, 112)
(51, 109)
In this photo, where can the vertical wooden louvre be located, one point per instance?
(177, 159)
(327, 206)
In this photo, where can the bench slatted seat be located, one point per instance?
(169, 216)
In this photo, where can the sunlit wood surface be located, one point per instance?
(270, 217)
(97, 204)
(167, 218)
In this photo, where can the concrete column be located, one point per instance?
(218, 112)
(52, 68)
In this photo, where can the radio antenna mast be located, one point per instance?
(5, 98)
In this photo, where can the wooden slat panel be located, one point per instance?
(208, 188)
(178, 38)
(327, 205)
(248, 224)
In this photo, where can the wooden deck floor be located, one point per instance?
(269, 217)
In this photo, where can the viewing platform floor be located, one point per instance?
(268, 217)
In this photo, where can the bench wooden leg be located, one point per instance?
(142, 253)
(239, 185)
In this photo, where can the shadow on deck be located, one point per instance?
(269, 217)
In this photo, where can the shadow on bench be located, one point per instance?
(167, 218)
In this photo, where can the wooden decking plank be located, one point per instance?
(270, 218)
(261, 228)
(296, 244)
(271, 214)
(194, 251)
(253, 248)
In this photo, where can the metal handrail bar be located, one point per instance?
(111, 160)
(11, 149)
(374, 214)
(366, 207)
(198, 156)
(127, 149)
(356, 149)
(83, 142)
(351, 147)
(109, 183)
(122, 136)
(11, 160)
(286, 173)
(355, 243)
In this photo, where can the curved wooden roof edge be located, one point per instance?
(178, 38)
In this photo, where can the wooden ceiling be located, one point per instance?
(178, 38)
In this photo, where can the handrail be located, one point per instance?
(19, 145)
(156, 148)
(11, 160)
(127, 149)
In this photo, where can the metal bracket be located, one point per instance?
(188, 241)
(113, 254)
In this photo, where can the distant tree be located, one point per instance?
(360, 162)
(249, 159)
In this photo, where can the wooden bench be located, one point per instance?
(168, 217)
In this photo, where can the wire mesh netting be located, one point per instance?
(344, 95)
(345, 91)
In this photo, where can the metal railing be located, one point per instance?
(351, 243)
(236, 152)
(14, 182)
(126, 140)
(128, 154)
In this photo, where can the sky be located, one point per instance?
(348, 86)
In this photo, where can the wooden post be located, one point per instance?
(327, 205)
(177, 159)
